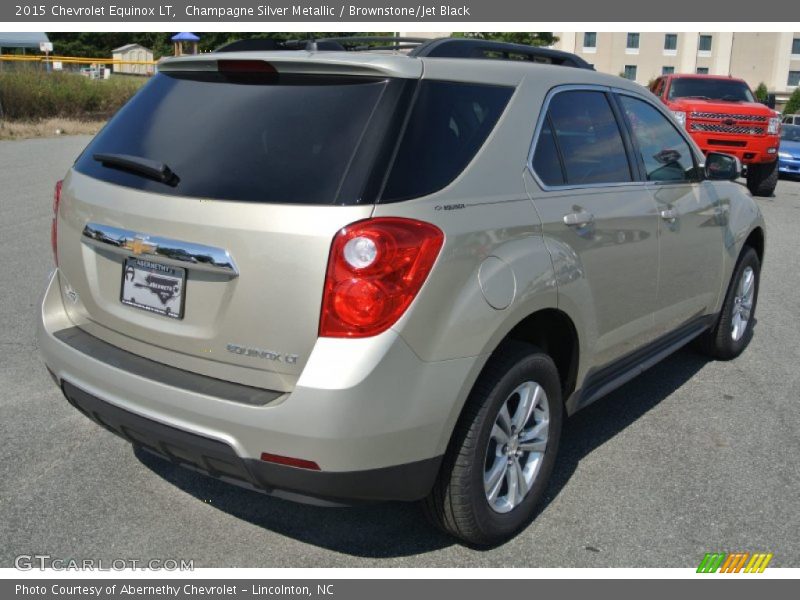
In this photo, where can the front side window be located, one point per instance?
(633, 41)
(665, 154)
(704, 44)
(590, 39)
(580, 126)
(671, 41)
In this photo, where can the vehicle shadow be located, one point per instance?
(604, 419)
(392, 530)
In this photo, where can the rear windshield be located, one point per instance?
(233, 137)
(710, 89)
(296, 139)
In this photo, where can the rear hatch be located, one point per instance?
(195, 228)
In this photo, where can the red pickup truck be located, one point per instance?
(722, 115)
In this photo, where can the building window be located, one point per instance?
(671, 41)
(796, 46)
(702, 70)
(704, 44)
(633, 41)
(630, 72)
(590, 39)
(667, 70)
(794, 78)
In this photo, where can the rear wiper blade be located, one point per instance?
(145, 167)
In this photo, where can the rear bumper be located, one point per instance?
(219, 460)
(370, 413)
(748, 149)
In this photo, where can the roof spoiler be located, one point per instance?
(419, 47)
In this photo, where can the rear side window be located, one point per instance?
(546, 162)
(257, 139)
(588, 138)
(449, 123)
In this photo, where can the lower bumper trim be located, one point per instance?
(407, 482)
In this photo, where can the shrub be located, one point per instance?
(761, 92)
(32, 94)
(793, 105)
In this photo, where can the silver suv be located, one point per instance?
(341, 276)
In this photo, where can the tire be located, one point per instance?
(721, 342)
(762, 178)
(458, 503)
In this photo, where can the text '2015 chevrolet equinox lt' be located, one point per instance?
(342, 276)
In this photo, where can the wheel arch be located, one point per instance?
(551, 330)
(755, 240)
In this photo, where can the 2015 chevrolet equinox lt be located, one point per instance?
(340, 276)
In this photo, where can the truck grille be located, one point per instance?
(741, 129)
(723, 116)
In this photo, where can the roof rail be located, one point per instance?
(487, 49)
(353, 44)
(419, 47)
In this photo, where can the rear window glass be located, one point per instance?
(589, 138)
(449, 123)
(241, 138)
(546, 161)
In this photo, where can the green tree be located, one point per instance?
(793, 105)
(515, 37)
(761, 92)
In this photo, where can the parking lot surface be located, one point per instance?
(693, 456)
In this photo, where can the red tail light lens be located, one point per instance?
(288, 461)
(54, 224)
(375, 269)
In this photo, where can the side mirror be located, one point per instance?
(721, 167)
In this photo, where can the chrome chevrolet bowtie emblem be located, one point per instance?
(139, 245)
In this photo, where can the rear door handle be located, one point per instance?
(579, 219)
(669, 214)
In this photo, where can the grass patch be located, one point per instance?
(31, 95)
(18, 130)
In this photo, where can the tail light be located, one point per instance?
(375, 269)
(245, 66)
(54, 224)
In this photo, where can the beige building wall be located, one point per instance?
(755, 57)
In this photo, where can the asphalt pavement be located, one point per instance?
(691, 457)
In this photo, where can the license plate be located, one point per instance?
(153, 287)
